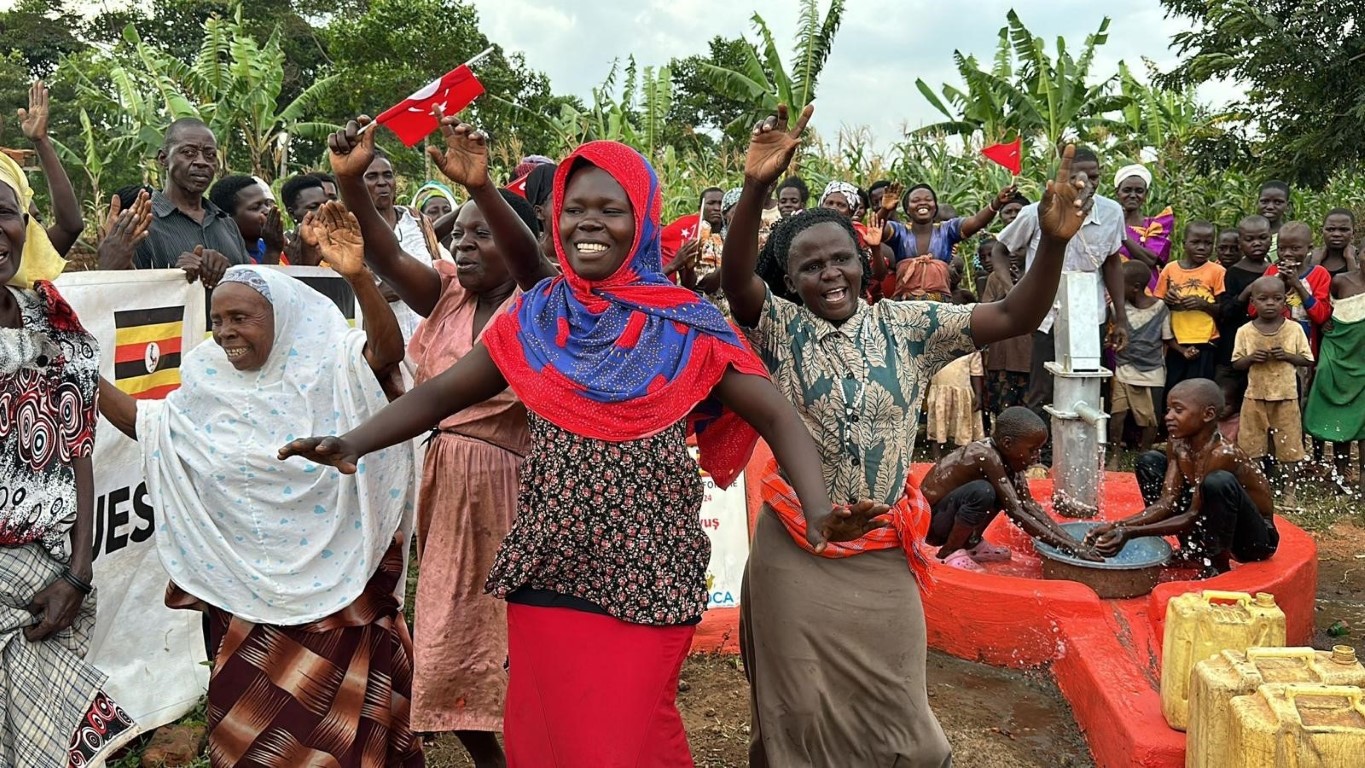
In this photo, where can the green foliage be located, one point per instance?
(42, 32)
(762, 81)
(1303, 63)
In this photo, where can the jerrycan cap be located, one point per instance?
(1265, 599)
(1343, 654)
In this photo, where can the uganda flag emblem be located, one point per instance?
(147, 351)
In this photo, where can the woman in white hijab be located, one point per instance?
(1148, 239)
(299, 570)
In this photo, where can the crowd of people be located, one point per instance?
(553, 346)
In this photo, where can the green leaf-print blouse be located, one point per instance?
(858, 386)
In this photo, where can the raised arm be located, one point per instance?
(465, 162)
(118, 408)
(66, 209)
(1060, 215)
(351, 152)
(979, 220)
(470, 381)
(771, 148)
(335, 233)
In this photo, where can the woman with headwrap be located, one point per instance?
(843, 198)
(923, 247)
(604, 570)
(1147, 238)
(436, 202)
(55, 711)
(300, 572)
(539, 185)
(469, 472)
(834, 640)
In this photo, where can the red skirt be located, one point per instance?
(590, 691)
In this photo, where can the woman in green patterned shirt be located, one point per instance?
(835, 648)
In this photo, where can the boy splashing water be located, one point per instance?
(1204, 489)
(970, 486)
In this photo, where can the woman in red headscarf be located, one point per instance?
(604, 568)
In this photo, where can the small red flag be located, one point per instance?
(672, 237)
(411, 119)
(1009, 155)
(518, 186)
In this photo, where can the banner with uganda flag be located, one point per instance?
(144, 322)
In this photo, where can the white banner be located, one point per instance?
(143, 321)
(725, 518)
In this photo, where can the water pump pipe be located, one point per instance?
(1095, 418)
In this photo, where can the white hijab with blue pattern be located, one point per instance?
(270, 541)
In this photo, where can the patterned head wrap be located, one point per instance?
(627, 356)
(433, 189)
(250, 278)
(39, 260)
(730, 199)
(849, 192)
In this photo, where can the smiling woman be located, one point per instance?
(48, 367)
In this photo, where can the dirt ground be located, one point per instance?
(994, 718)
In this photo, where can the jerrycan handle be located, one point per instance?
(1306, 654)
(1210, 595)
(1293, 692)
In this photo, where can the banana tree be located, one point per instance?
(1029, 91)
(764, 81)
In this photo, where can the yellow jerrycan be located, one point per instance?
(1235, 673)
(1298, 726)
(1199, 625)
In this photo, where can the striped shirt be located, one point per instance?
(174, 233)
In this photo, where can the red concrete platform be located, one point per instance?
(1105, 654)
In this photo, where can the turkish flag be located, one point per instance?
(1010, 155)
(673, 236)
(412, 118)
(518, 186)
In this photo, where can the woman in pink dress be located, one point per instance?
(469, 480)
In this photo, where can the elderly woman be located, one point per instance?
(299, 571)
(834, 639)
(469, 478)
(55, 711)
(437, 203)
(1146, 238)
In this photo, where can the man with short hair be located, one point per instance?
(1094, 250)
(188, 231)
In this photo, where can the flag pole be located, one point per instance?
(480, 56)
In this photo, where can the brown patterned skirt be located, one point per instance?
(331, 693)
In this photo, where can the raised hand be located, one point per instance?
(335, 233)
(465, 160)
(1005, 196)
(891, 197)
(872, 234)
(33, 121)
(123, 231)
(772, 145)
(350, 150)
(272, 231)
(331, 451)
(1065, 204)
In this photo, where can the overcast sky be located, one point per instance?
(882, 47)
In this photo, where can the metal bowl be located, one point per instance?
(1133, 572)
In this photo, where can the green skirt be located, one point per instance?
(1335, 409)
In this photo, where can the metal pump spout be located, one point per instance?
(1079, 426)
(1095, 418)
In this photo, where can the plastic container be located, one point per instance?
(1201, 624)
(1298, 726)
(1235, 673)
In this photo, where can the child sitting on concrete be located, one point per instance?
(967, 488)
(1140, 373)
(1269, 348)
(1203, 489)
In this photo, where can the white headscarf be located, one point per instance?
(278, 542)
(1136, 169)
(849, 192)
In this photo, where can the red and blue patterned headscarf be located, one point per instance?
(625, 357)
